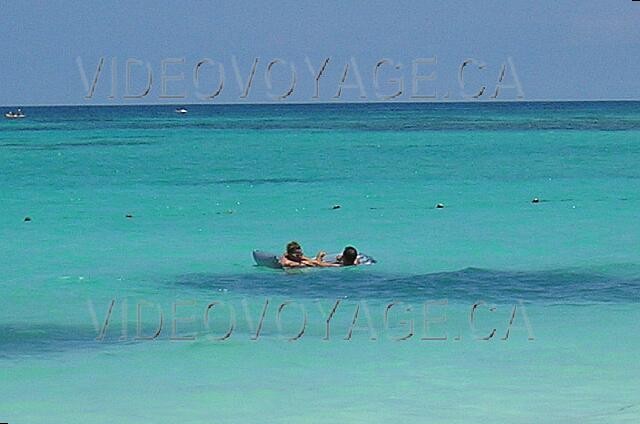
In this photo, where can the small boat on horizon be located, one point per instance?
(181, 111)
(15, 115)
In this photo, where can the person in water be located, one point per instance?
(294, 258)
(349, 257)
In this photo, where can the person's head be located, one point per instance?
(294, 250)
(349, 255)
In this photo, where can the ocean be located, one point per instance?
(129, 293)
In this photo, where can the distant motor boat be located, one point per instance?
(181, 111)
(15, 115)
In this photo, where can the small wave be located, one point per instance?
(470, 284)
(60, 146)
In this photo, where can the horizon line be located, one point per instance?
(304, 103)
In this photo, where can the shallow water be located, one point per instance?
(205, 189)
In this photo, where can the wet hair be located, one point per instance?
(292, 247)
(349, 256)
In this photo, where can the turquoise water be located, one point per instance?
(205, 189)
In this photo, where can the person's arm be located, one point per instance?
(311, 261)
(326, 264)
(286, 263)
(319, 261)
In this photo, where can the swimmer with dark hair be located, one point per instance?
(349, 257)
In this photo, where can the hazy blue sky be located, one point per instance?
(585, 49)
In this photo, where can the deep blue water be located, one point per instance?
(136, 204)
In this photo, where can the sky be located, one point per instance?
(205, 51)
